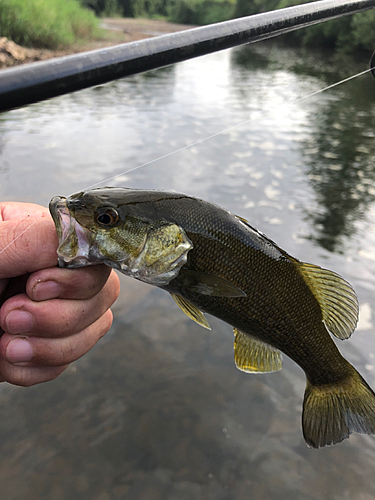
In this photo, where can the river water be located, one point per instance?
(157, 410)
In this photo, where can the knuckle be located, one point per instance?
(19, 375)
(101, 326)
(114, 287)
(108, 317)
(29, 376)
(66, 354)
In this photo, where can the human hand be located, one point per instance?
(50, 316)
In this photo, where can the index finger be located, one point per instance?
(55, 282)
(27, 245)
(13, 210)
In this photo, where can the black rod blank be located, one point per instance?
(38, 81)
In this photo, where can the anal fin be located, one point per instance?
(254, 356)
(191, 311)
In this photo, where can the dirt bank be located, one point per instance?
(115, 31)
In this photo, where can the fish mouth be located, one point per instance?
(74, 240)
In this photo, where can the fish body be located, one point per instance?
(212, 261)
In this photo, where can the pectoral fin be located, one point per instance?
(336, 297)
(190, 310)
(208, 284)
(253, 356)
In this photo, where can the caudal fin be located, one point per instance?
(332, 412)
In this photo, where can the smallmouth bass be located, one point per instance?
(212, 261)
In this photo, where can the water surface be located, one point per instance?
(158, 410)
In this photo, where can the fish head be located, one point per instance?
(106, 226)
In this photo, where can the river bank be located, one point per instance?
(114, 31)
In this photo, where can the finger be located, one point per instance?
(27, 245)
(13, 210)
(28, 375)
(55, 282)
(56, 317)
(35, 351)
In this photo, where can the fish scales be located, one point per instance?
(212, 261)
(234, 251)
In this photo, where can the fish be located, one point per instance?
(212, 261)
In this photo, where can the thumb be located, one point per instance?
(27, 245)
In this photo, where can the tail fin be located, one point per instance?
(332, 412)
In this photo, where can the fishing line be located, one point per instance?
(204, 139)
(19, 236)
(224, 131)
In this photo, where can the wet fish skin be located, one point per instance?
(217, 263)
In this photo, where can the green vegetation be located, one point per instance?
(201, 11)
(53, 23)
(179, 11)
(347, 33)
(45, 23)
(103, 7)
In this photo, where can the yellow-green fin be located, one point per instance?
(253, 356)
(193, 312)
(336, 297)
(243, 220)
(331, 412)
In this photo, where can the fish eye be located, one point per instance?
(107, 217)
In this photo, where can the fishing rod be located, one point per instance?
(38, 81)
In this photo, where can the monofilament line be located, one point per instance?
(331, 86)
(204, 139)
(19, 236)
(224, 131)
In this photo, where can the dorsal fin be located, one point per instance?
(191, 311)
(336, 297)
(254, 356)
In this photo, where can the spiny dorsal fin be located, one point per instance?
(336, 297)
(208, 284)
(253, 356)
(245, 221)
(190, 310)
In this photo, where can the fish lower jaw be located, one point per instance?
(75, 262)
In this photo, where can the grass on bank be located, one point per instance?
(59, 23)
(46, 23)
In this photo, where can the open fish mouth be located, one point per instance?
(74, 240)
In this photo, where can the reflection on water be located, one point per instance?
(339, 152)
(157, 410)
(339, 159)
